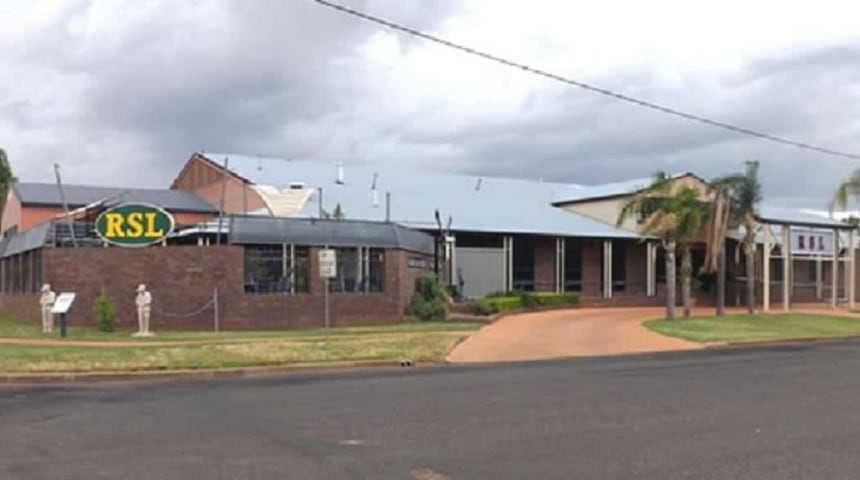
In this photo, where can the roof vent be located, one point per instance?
(296, 185)
(340, 175)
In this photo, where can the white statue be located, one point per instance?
(46, 301)
(143, 302)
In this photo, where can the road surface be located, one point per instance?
(764, 413)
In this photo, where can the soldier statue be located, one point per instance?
(46, 301)
(143, 302)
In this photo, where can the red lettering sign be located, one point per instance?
(821, 243)
(811, 242)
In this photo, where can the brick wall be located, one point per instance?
(544, 264)
(182, 279)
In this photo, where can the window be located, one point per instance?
(276, 269)
(347, 271)
(359, 270)
(573, 265)
(524, 263)
(375, 269)
(619, 265)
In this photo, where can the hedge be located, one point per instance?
(522, 300)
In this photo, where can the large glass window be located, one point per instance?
(619, 265)
(524, 263)
(573, 265)
(347, 279)
(375, 269)
(276, 269)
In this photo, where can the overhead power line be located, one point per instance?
(583, 85)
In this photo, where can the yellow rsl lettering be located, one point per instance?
(135, 225)
(113, 225)
(150, 226)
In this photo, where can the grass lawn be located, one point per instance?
(746, 328)
(420, 342)
(13, 328)
(419, 347)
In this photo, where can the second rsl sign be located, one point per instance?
(134, 225)
(811, 242)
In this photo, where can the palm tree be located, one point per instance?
(848, 188)
(744, 193)
(718, 222)
(676, 219)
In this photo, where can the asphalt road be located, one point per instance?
(769, 413)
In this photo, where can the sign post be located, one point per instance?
(328, 269)
(61, 307)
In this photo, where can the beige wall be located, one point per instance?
(606, 210)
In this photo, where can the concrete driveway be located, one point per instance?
(566, 333)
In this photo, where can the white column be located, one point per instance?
(765, 270)
(834, 294)
(509, 262)
(607, 269)
(651, 269)
(819, 290)
(852, 269)
(786, 267)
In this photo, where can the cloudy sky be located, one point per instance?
(121, 93)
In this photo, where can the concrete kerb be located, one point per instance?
(24, 378)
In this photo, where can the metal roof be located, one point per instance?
(476, 204)
(30, 239)
(244, 229)
(80, 195)
(792, 216)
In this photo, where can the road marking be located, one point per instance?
(428, 474)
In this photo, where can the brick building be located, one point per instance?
(481, 234)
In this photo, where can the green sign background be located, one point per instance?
(162, 222)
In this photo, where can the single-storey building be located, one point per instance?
(248, 229)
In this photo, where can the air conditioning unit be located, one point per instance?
(297, 186)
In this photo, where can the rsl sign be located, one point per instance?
(134, 225)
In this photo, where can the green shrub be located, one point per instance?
(105, 312)
(428, 301)
(557, 299)
(483, 307)
(528, 300)
(522, 300)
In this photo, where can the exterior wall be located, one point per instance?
(205, 178)
(182, 279)
(544, 264)
(606, 210)
(11, 212)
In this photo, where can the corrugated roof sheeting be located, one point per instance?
(30, 240)
(476, 204)
(79, 195)
(793, 216)
(335, 233)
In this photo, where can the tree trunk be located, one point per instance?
(750, 253)
(721, 282)
(671, 285)
(686, 278)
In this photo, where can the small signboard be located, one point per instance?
(63, 303)
(811, 242)
(328, 263)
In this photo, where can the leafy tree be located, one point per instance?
(744, 193)
(6, 178)
(105, 312)
(428, 301)
(338, 213)
(675, 217)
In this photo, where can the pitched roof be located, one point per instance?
(79, 195)
(477, 204)
(610, 190)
